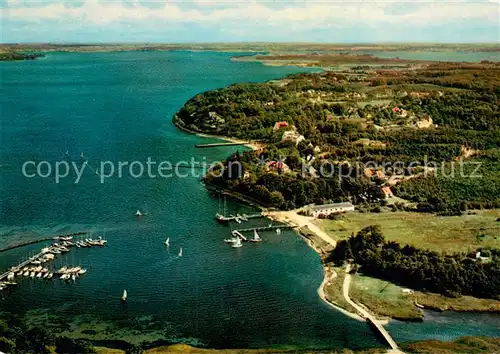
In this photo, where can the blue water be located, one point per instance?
(118, 107)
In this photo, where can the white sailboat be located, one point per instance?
(124, 296)
(278, 231)
(237, 243)
(180, 252)
(256, 237)
(167, 242)
(138, 213)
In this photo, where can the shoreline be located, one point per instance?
(250, 144)
(293, 219)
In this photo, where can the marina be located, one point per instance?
(33, 267)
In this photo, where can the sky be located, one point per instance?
(177, 21)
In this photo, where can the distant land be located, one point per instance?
(250, 47)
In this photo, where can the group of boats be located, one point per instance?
(236, 240)
(40, 272)
(71, 273)
(34, 267)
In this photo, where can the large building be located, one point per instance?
(327, 209)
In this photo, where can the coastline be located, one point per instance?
(298, 222)
(250, 144)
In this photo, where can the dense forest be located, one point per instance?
(401, 121)
(451, 275)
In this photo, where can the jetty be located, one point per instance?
(266, 228)
(21, 244)
(220, 144)
(20, 265)
(243, 217)
(239, 234)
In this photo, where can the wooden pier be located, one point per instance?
(219, 144)
(266, 228)
(20, 265)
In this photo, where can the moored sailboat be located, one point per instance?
(124, 296)
(256, 237)
(237, 243)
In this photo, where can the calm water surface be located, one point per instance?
(118, 107)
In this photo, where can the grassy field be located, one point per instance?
(384, 298)
(438, 233)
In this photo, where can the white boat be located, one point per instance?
(256, 237)
(20, 273)
(45, 275)
(73, 277)
(180, 252)
(167, 241)
(50, 275)
(82, 271)
(138, 213)
(32, 274)
(238, 243)
(26, 273)
(62, 270)
(65, 276)
(278, 231)
(124, 296)
(230, 240)
(39, 275)
(10, 276)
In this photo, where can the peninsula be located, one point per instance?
(389, 136)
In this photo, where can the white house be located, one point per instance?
(292, 135)
(327, 209)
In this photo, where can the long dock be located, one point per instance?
(219, 144)
(266, 228)
(20, 265)
(243, 217)
(21, 244)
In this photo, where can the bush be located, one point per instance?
(6, 345)
(74, 346)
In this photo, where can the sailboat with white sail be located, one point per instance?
(167, 242)
(256, 237)
(124, 296)
(237, 243)
(180, 252)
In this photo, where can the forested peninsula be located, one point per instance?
(362, 134)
